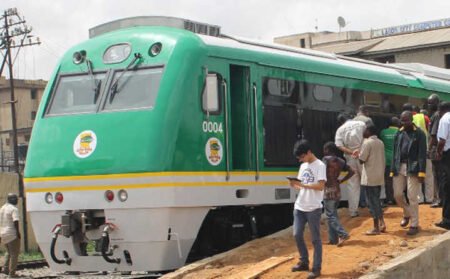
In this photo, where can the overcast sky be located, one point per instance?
(62, 23)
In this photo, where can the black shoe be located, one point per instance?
(313, 274)
(412, 231)
(443, 225)
(436, 205)
(404, 222)
(300, 267)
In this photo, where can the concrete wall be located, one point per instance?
(432, 56)
(322, 38)
(9, 184)
(431, 262)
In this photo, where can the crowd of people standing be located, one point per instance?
(409, 162)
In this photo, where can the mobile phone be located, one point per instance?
(292, 178)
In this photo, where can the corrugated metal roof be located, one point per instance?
(350, 48)
(391, 44)
(412, 40)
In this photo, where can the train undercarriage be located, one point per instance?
(88, 240)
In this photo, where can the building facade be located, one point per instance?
(425, 42)
(28, 94)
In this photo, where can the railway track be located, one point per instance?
(31, 264)
(38, 269)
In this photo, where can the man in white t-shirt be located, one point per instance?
(10, 234)
(349, 138)
(443, 151)
(308, 207)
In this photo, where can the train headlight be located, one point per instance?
(123, 195)
(155, 49)
(79, 57)
(49, 198)
(59, 197)
(116, 53)
(109, 196)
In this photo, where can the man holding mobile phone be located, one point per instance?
(308, 206)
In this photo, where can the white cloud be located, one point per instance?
(62, 23)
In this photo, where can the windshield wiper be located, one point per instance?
(96, 83)
(115, 85)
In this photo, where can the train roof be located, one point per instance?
(404, 74)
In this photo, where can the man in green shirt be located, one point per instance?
(387, 137)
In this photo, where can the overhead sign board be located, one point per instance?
(413, 27)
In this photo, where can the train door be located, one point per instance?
(242, 128)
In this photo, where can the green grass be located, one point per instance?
(30, 256)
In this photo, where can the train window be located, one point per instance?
(281, 105)
(76, 94)
(279, 92)
(323, 93)
(357, 99)
(280, 87)
(210, 94)
(387, 106)
(135, 89)
(419, 103)
(343, 95)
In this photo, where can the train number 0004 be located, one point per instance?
(212, 127)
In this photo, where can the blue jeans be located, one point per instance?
(373, 199)
(335, 228)
(313, 220)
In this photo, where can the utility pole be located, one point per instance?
(15, 29)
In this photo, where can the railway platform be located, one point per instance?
(274, 255)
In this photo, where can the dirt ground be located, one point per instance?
(359, 255)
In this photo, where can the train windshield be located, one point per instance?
(76, 94)
(135, 89)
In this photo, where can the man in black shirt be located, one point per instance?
(408, 169)
(433, 103)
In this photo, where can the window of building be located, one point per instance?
(8, 141)
(447, 61)
(27, 138)
(385, 59)
(33, 93)
(33, 115)
(302, 43)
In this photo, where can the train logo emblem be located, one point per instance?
(214, 151)
(85, 144)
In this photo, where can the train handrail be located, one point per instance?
(227, 147)
(56, 230)
(255, 100)
(105, 244)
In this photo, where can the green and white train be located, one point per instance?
(161, 140)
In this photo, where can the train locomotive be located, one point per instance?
(161, 140)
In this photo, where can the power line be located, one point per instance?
(13, 35)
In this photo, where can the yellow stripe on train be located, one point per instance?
(155, 185)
